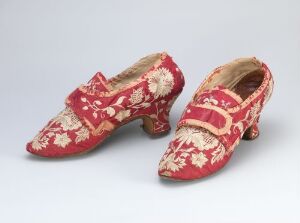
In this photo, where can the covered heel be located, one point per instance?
(251, 133)
(158, 123)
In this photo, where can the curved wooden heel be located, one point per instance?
(251, 133)
(153, 126)
(158, 123)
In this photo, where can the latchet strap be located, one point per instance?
(215, 119)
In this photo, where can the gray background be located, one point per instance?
(47, 48)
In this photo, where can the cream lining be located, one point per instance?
(132, 73)
(230, 74)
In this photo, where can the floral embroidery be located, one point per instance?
(62, 140)
(199, 159)
(195, 152)
(137, 96)
(218, 154)
(161, 82)
(68, 120)
(246, 122)
(101, 105)
(201, 138)
(170, 161)
(94, 106)
(40, 142)
(64, 121)
(122, 115)
(82, 135)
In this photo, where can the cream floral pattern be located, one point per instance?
(170, 161)
(199, 159)
(137, 96)
(249, 118)
(57, 128)
(201, 140)
(39, 142)
(161, 82)
(82, 135)
(122, 115)
(97, 108)
(62, 140)
(68, 120)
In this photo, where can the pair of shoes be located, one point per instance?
(224, 109)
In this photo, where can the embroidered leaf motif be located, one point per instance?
(85, 108)
(110, 111)
(120, 100)
(83, 99)
(218, 154)
(97, 102)
(82, 135)
(145, 104)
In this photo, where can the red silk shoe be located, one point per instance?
(93, 111)
(224, 109)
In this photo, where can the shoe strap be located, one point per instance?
(215, 119)
(92, 110)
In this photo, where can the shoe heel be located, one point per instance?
(252, 132)
(158, 123)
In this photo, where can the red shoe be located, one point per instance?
(224, 109)
(147, 90)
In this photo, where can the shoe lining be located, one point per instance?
(242, 76)
(132, 73)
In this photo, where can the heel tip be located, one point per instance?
(155, 134)
(250, 137)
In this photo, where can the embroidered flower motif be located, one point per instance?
(137, 96)
(121, 115)
(82, 135)
(170, 161)
(175, 157)
(68, 120)
(62, 140)
(161, 82)
(199, 159)
(201, 138)
(39, 142)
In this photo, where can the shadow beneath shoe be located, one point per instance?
(177, 183)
